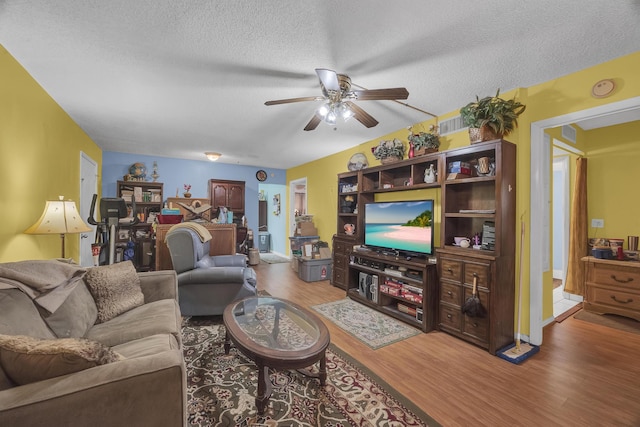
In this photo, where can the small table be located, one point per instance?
(276, 333)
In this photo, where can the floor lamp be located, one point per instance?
(59, 217)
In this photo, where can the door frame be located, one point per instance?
(88, 187)
(292, 202)
(539, 157)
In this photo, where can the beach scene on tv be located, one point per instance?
(405, 226)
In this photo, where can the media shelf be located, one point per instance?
(381, 282)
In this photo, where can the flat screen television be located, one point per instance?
(405, 227)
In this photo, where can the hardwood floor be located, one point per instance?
(584, 374)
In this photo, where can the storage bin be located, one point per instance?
(313, 270)
(264, 241)
(298, 242)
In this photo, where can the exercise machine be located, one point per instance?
(112, 211)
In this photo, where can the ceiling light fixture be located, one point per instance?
(212, 156)
(330, 111)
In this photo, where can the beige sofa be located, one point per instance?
(146, 386)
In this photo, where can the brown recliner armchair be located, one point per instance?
(207, 284)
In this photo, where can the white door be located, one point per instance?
(88, 187)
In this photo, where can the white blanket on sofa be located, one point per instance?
(47, 282)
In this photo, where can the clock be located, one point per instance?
(261, 175)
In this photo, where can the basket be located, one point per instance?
(424, 150)
(390, 159)
(484, 133)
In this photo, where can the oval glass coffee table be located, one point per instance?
(278, 334)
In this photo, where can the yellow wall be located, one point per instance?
(40, 149)
(560, 96)
(613, 159)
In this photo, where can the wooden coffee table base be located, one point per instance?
(275, 358)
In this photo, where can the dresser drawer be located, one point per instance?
(341, 247)
(614, 275)
(339, 261)
(476, 327)
(339, 278)
(451, 293)
(618, 298)
(451, 270)
(479, 270)
(450, 317)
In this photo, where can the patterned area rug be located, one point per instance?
(221, 389)
(270, 258)
(373, 328)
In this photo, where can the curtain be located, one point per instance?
(578, 238)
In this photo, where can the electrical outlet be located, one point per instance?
(597, 223)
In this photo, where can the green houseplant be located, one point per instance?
(491, 117)
(389, 151)
(424, 142)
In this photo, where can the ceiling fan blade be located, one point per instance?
(313, 123)
(290, 100)
(380, 94)
(328, 80)
(361, 115)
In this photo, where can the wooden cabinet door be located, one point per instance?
(235, 197)
(229, 194)
(219, 195)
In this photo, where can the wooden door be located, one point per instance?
(235, 197)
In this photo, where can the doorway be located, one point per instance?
(298, 202)
(88, 187)
(561, 205)
(540, 157)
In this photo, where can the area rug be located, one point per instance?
(270, 258)
(610, 320)
(221, 389)
(373, 328)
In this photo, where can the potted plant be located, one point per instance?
(389, 151)
(424, 142)
(187, 192)
(491, 117)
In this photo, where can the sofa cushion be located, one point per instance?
(158, 317)
(19, 315)
(27, 359)
(147, 346)
(75, 316)
(115, 289)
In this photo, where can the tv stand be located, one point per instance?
(405, 289)
(389, 253)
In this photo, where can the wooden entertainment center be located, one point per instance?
(469, 204)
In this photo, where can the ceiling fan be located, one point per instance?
(338, 99)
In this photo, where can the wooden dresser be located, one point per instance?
(612, 286)
(223, 243)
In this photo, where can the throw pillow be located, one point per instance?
(115, 289)
(27, 359)
(77, 314)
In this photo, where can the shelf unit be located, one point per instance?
(472, 205)
(148, 197)
(385, 270)
(469, 205)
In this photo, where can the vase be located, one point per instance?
(187, 195)
(481, 134)
(412, 150)
(390, 159)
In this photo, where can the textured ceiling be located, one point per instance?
(177, 78)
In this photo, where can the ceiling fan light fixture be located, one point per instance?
(212, 156)
(323, 110)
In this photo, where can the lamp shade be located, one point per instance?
(59, 217)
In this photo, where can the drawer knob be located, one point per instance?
(475, 324)
(627, 280)
(613, 297)
(449, 316)
(449, 293)
(450, 271)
